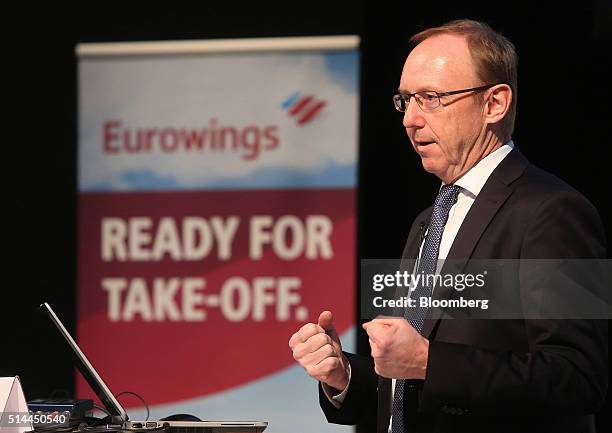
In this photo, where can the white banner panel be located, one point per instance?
(217, 215)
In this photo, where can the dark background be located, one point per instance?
(562, 126)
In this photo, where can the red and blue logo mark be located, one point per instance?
(303, 107)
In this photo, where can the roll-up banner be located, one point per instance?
(216, 216)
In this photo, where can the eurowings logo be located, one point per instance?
(303, 108)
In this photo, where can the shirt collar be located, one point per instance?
(477, 176)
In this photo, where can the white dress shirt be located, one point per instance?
(471, 184)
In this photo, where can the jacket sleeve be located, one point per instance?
(360, 404)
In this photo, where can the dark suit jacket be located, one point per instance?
(518, 375)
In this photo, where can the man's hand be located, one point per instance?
(317, 348)
(399, 351)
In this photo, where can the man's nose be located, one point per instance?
(413, 116)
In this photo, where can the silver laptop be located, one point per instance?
(118, 413)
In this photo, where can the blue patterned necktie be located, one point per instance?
(427, 266)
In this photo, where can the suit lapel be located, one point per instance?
(415, 237)
(494, 193)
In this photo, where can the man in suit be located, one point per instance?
(458, 93)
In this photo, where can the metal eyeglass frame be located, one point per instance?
(407, 96)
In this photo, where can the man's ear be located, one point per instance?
(498, 103)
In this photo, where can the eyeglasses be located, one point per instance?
(429, 100)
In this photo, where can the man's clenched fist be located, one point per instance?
(318, 350)
(399, 351)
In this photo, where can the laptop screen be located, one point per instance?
(89, 373)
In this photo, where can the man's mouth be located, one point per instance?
(423, 142)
